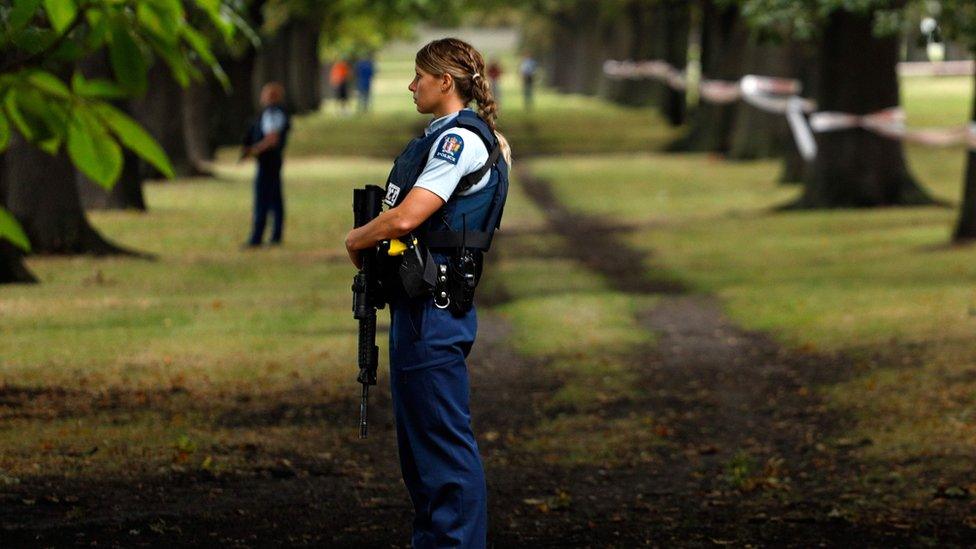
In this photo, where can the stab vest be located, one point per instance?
(470, 220)
(256, 134)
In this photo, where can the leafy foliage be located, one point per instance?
(40, 42)
(804, 18)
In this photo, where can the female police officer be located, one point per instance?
(447, 189)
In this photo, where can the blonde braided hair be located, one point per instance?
(467, 67)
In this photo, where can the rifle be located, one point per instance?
(366, 296)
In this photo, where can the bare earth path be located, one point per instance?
(750, 456)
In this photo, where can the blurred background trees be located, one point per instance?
(98, 95)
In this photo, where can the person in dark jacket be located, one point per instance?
(266, 142)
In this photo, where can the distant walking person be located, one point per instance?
(266, 141)
(364, 70)
(339, 79)
(527, 69)
(495, 76)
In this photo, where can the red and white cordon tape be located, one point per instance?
(782, 96)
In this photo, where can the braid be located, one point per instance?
(483, 96)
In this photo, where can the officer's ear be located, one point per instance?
(447, 83)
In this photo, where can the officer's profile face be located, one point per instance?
(428, 90)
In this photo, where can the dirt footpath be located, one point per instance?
(753, 457)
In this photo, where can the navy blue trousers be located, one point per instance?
(439, 456)
(267, 200)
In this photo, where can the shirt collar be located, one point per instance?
(439, 123)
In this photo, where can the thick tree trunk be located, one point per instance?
(198, 100)
(966, 226)
(304, 66)
(857, 168)
(161, 113)
(12, 268)
(723, 39)
(591, 40)
(291, 57)
(560, 63)
(127, 192)
(757, 133)
(125, 195)
(632, 41)
(673, 48)
(42, 194)
(233, 112)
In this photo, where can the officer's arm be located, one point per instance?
(268, 142)
(419, 205)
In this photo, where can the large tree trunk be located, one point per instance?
(42, 194)
(125, 195)
(632, 41)
(304, 68)
(161, 113)
(561, 59)
(127, 191)
(757, 133)
(966, 226)
(723, 39)
(232, 113)
(12, 268)
(857, 168)
(291, 57)
(675, 17)
(198, 100)
(591, 39)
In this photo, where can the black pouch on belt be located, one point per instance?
(418, 272)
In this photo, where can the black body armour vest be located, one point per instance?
(469, 221)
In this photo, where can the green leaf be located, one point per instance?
(131, 134)
(93, 151)
(97, 88)
(11, 230)
(200, 45)
(49, 83)
(126, 58)
(13, 111)
(4, 132)
(21, 14)
(61, 13)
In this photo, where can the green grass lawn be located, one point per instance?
(208, 324)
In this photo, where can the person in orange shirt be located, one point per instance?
(339, 80)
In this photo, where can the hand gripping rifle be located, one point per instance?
(366, 296)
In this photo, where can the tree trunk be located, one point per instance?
(632, 41)
(675, 17)
(723, 39)
(966, 226)
(233, 112)
(560, 63)
(12, 268)
(857, 168)
(42, 194)
(125, 195)
(127, 192)
(303, 66)
(161, 113)
(591, 40)
(198, 100)
(757, 133)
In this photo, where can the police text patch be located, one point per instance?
(450, 148)
(392, 192)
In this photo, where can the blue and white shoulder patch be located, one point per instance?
(450, 147)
